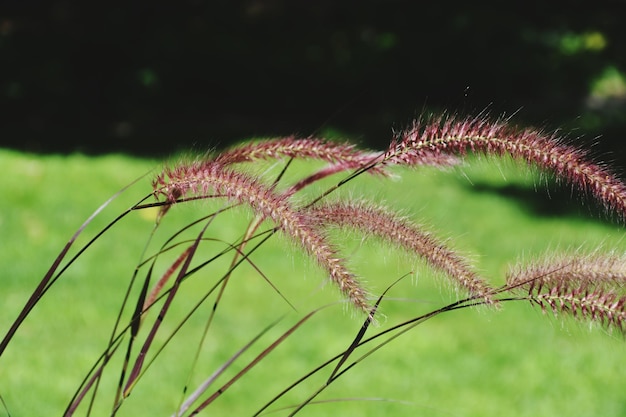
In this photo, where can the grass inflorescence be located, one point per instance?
(585, 285)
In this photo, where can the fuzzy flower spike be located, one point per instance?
(403, 233)
(212, 176)
(457, 136)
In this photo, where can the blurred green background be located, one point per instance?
(154, 77)
(81, 84)
(478, 362)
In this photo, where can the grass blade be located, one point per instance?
(207, 383)
(49, 278)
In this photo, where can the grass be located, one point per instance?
(475, 362)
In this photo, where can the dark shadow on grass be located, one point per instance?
(552, 201)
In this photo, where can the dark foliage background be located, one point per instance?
(151, 78)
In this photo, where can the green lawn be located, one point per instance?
(479, 362)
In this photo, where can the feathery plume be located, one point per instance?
(206, 176)
(589, 287)
(401, 232)
(451, 135)
(595, 269)
(343, 154)
(602, 306)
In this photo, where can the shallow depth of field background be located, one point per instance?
(472, 362)
(91, 99)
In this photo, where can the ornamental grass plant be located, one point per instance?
(178, 324)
